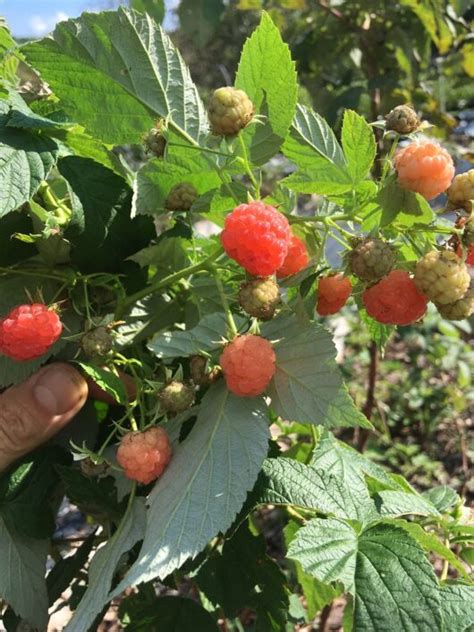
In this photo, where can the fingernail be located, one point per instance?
(58, 389)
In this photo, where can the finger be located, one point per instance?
(34, 411)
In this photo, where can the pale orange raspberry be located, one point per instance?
(144, 455)
(424, 167)
(248, 364)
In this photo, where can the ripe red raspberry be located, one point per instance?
(28, 331)
(395, 300)
(257, 236)
(248, 364)
(470, 256)
(296, 260)
(144, 455)
(333, 292)
(424, 167)
(230, 110)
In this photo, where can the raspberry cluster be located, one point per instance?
(333, 292)
(257, 236)
(28, 331)
(395, 300)
(230, 110)
(424, 167)
(248, 364)
(144, 455)
(296, 260)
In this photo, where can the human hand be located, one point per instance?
(35, 410)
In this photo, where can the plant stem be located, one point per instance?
(444, 572)
(248, 168)
(294, 514)
(231, 326)
(169, 280)
(361, 436)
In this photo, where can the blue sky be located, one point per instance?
(36, 18)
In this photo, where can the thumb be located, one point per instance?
(35, 410)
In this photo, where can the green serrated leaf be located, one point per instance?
(307, 385)
(358, 142)
(393, 584)
(26, 158)
(397, 503)
(166, 614)
(115, 73)
(403, 207)
(288, 482)
(103, 567)
(244, 576)
(442, 497)
(107, 381)
(22, 582)
(267, 74)
(457, 607)
(205, 484)
(207, 336)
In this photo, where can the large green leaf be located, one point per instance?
(267, 74)
(155, 8)
(22, 581)
(26, 158)
(208, 335)
(392, 504)
(288, 482)
(243, 576)
(166, 614)
(327, 549)
(393, 584)
(115, 73)
(205, 484)
(307, 385)
(104, 565)
(312, 146)
(358, 142)
(157, 177)
(101, 222)
(402, 207)
(457, 607)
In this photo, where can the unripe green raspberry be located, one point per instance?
(461, 192)
(230, 110)
(459, 310)
(260, 298)
(201, 374)
(176, 397)
(442, 277)
(403, 120)
(181, 197)
(371, 259)
(97, 342)
(155, 142)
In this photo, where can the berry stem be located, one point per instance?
(232, 327)
(388, 159)
(203, 149)
(169, 280)
(247, 166)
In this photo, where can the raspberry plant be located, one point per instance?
(177, 487)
